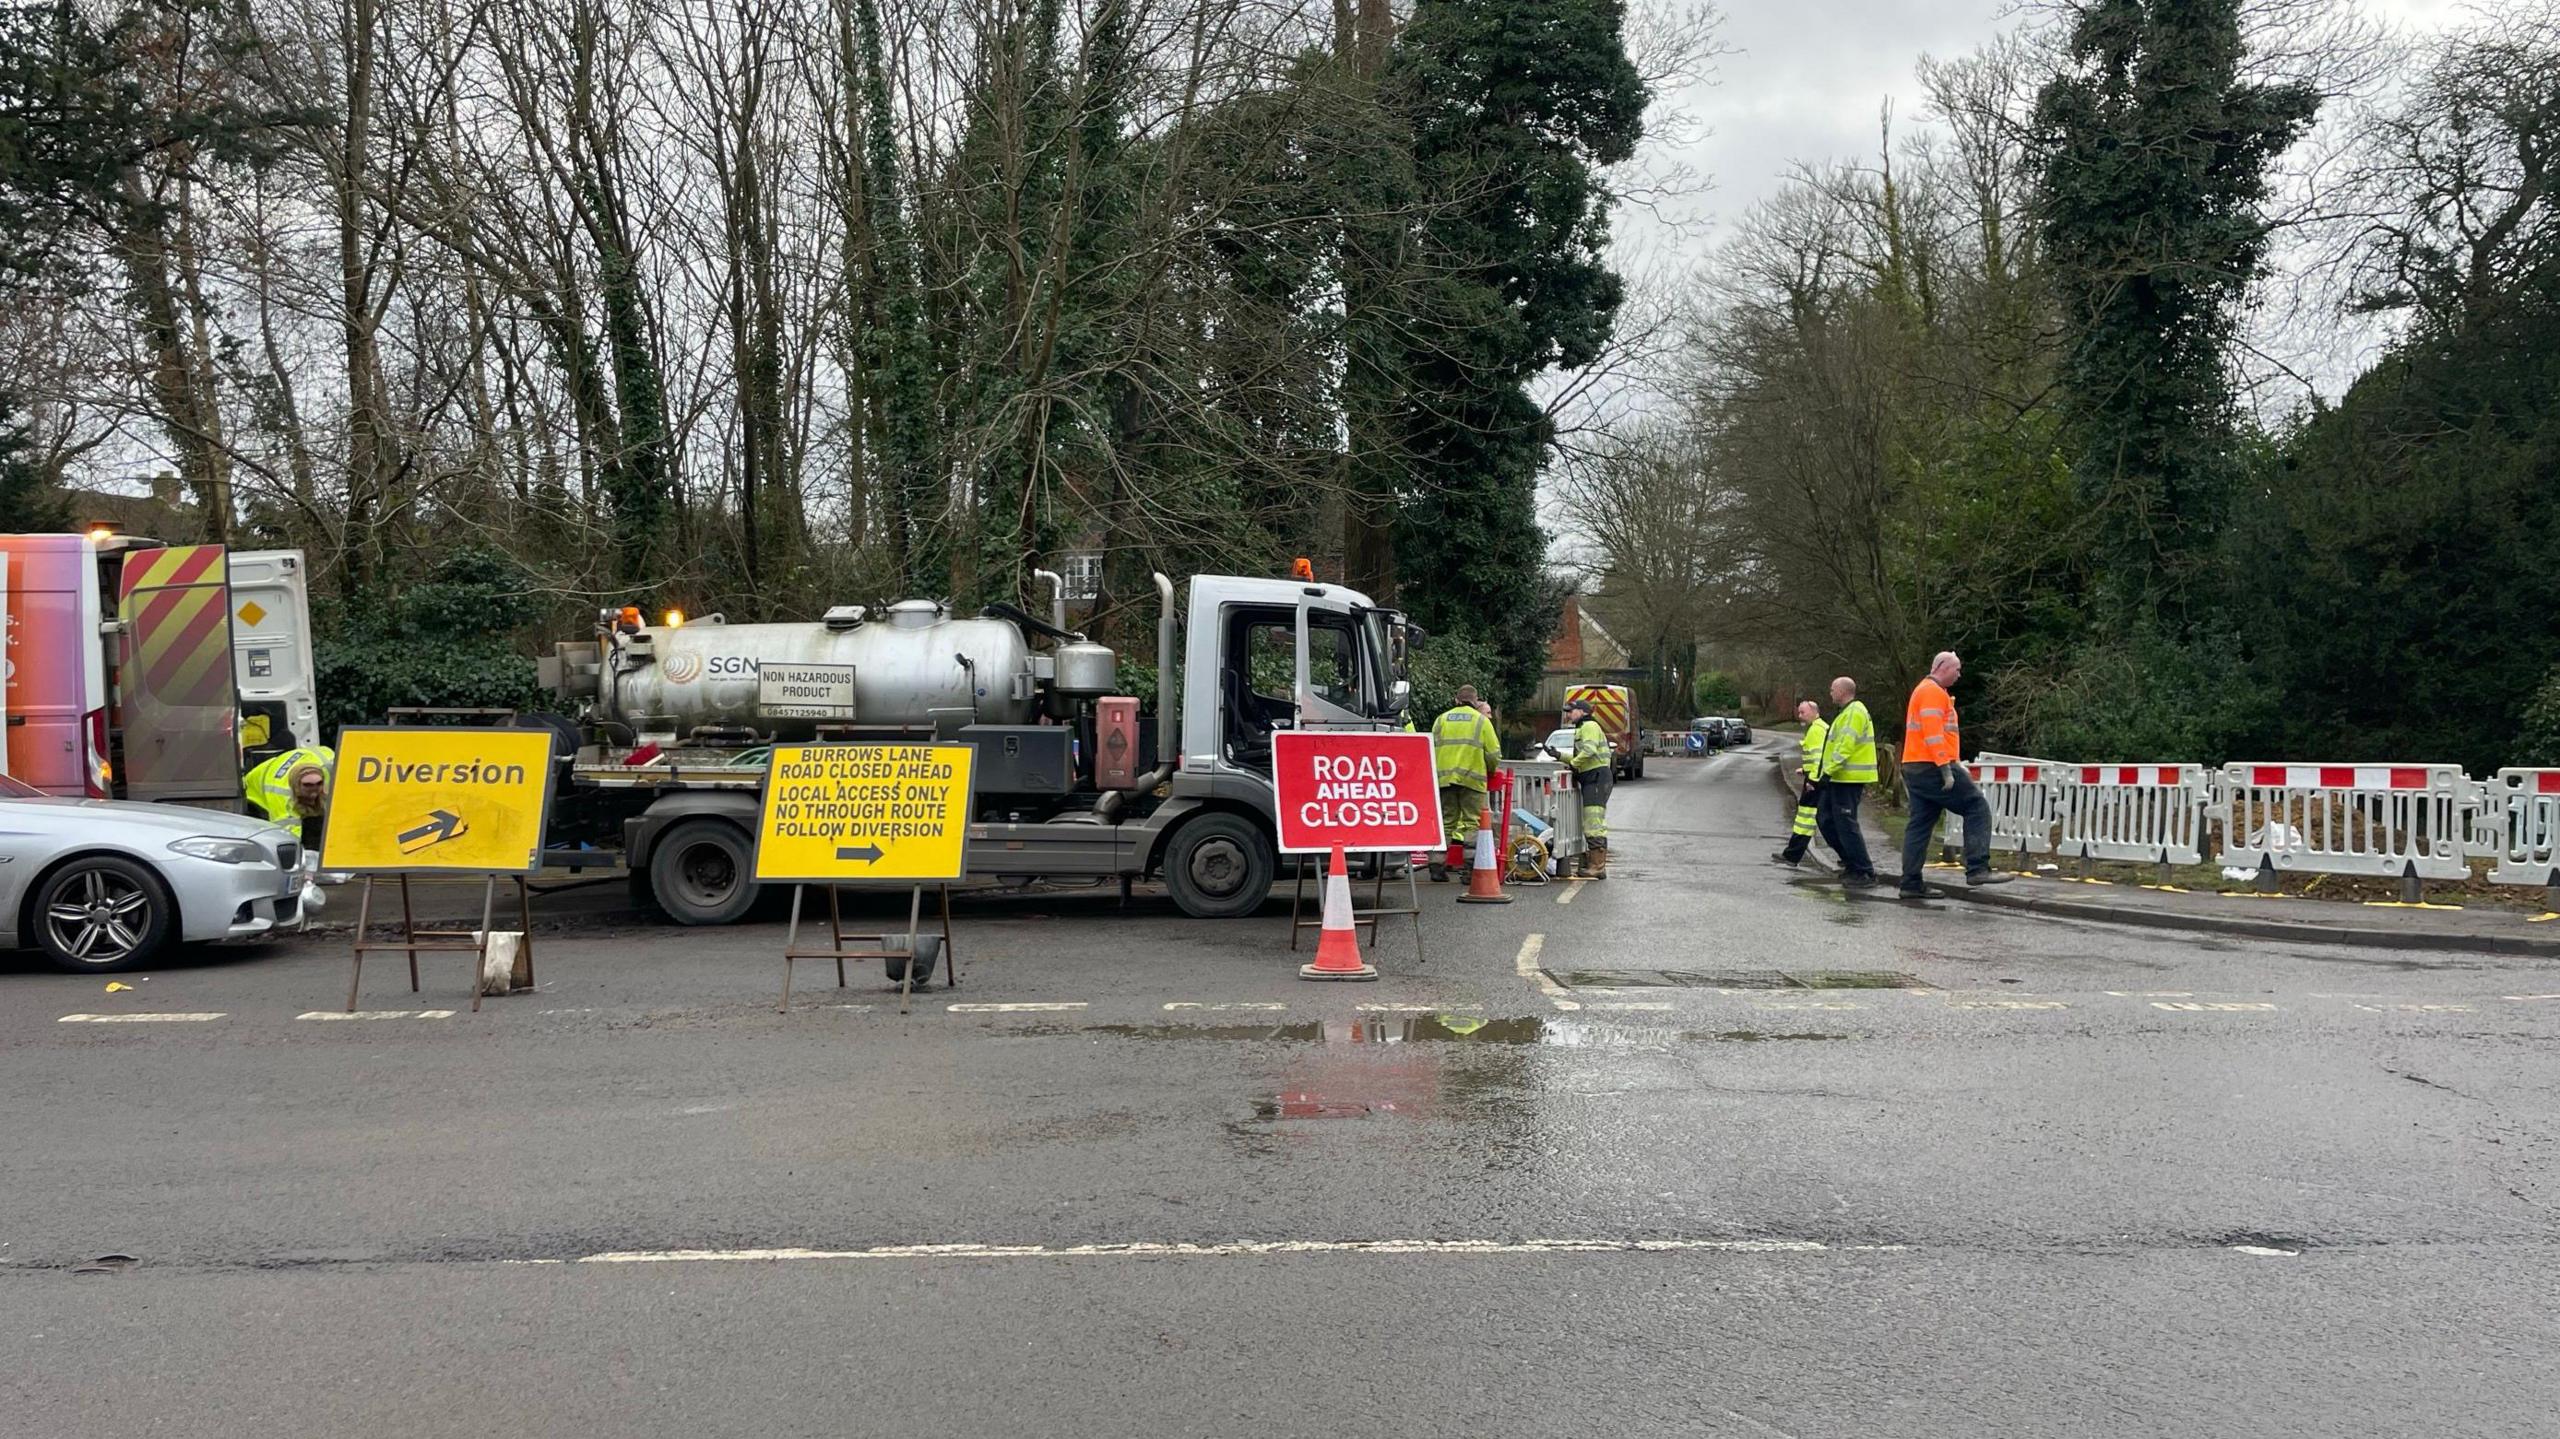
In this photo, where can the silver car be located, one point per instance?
(102, 885)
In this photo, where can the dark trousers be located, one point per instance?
(1836, 815)
(1931, 796)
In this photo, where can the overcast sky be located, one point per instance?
(1804, 80)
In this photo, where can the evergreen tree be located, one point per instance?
(2154, 160)
(1514, 106)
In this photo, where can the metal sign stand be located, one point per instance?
(1376, 911)
(869, 946)
(414, 940)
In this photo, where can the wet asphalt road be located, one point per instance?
(1575, 1174)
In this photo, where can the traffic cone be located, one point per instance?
(1484, 882)
(1338, 948)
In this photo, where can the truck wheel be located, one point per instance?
(1639, 774)
(1219, 867)
(699, 872)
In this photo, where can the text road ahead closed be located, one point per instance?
(468, 801)
(840, 812)
(1355, 790)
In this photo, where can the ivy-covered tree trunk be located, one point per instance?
(2154, 159)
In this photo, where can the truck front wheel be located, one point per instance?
(700, 872)
(1219, 867)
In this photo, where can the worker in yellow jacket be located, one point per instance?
(293, 788)
(1466, 750)
(1809, 780)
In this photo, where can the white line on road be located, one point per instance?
(2528, 998)
(136, 1018)
(1527, 963)
(1144, 1249)
(2151, 993)
(378, 1014)
(2191, 1007)
(1186, 1004)
(2410, 1008)
(1572, 887)
(2017, 1004)
(1014, 1008)
(1630, 1004)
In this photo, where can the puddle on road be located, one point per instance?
(1444, 1029)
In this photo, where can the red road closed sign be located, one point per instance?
(1355, 790)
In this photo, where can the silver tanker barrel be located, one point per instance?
(897, 672)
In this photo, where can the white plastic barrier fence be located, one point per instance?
(2520, 827)
(1545, 788)
(2148, 813)
(2397, 821)
(2025, 806)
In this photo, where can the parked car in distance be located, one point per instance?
(1712, 726)
(1737, 730)
(104, 885)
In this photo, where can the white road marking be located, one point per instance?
(2412, 1008)
(2190, 1007)
(378, 1014)
(2010, 1004)
(1150, 1249)
(1048, 1008)
(136, 1018)
(1527, 963)
(2265, 1252)
(1805, 1004)
(1572, 887)
(1185, 1004)
(2528, 998)
(2151, 993)
(1631, 1004)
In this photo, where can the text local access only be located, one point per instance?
(1354, 791)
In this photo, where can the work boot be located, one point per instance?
(1980, 877)
(1782, 857)
(1595, 864)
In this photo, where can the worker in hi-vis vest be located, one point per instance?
(1809, 780)
(1933, 777)
(1848, 772)
(1467, 750)
(293, 788)
(1594, 772)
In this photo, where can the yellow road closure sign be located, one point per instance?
(840, 812)
(471, 801)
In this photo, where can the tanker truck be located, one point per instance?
(674, 724)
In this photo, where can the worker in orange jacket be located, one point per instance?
(1934, 779)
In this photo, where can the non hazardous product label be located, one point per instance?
(804, 691)
(854, 812)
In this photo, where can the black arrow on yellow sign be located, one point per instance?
(440, 825)
(869, 853)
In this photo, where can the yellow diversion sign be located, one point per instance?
(839, 812)
(459, 800)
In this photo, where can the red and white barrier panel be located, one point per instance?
(2519, 827)
(2370, 819)
(2024, 805)
(2148, 813)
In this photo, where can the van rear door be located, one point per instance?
(55, 667)
(174, 691)
(271, 647)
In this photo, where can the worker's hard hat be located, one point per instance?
(1582, 705)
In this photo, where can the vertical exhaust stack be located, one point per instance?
(1168, 710)
(1057, 596)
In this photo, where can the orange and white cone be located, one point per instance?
(1484, 881)
(1338, 948)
